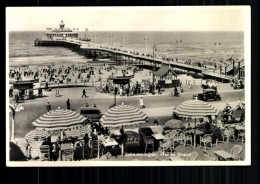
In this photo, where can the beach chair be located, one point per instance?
(95, 148)
(188, 140)
(241, 134)
(220, 138)
(68, 154)
(237, 115)
(149, 144)
(206, 141)
(226, 134)
(231, 133)
(79, 150)
(34, 152)
(166, 146)
(180, 138)
(45, 152)
(235, 151)
(168, 133)
(130, 142)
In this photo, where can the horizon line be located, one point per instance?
(138, 31)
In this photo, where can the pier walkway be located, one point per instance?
(82, 46)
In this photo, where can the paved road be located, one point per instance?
(160, 106)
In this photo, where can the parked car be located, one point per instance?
(208, 94)
(205, 86)
(92, 113)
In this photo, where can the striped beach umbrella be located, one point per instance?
(123, 115)
(36, 135)
(60, 119)
(78, 132)
(195, 109)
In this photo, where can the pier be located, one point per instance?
(128, 57)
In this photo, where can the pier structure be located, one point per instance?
(126, 57)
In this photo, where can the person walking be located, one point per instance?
(84, 93)
(141, 101)
(46, 86)
(159, 89)
(48, 106)
(40, 92)
(107, 88)
(68, 104)
(121, 91)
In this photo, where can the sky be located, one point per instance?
(222, 18)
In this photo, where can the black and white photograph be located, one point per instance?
(128, 86)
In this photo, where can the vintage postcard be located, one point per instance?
(128, 86)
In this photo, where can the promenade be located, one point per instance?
(160, 106)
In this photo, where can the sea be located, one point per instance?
(197, 46)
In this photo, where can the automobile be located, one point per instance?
(205, 86)
(208, 94)
(91, 113)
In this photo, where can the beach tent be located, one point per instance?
(195, 109)
(59, 120)
(123, 115)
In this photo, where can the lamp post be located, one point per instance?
(124, 39)
(154, 49)
(177, 43)
(86, 29)
(109, 39)
(115, 91)
(146, 38)
(14, 108)
(58, 89)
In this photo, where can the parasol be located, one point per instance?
(195, 109)
(60, 119)
(123, 115)
(78, 132)
(36, 135)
